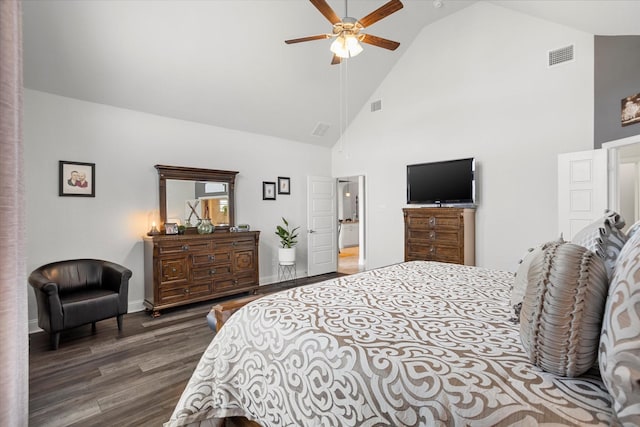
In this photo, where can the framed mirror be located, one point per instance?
(188, 195)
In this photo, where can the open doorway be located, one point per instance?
(351, 220)
(624, 178)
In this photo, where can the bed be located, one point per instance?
(418, 343)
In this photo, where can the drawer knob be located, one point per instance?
(432, 221)
(173, 270)
(432, 235)
(185, 247)
(432, 250)
(212, 271)
(235, 243)
(212, 257)
(186, 291)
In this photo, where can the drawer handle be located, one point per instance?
(432, 221)
(432, 235)
(185, 247)
(212, 272)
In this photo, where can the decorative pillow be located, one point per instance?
(604, 237)
(620, 340)
(522, 277)
(633, 229)
(562, 310)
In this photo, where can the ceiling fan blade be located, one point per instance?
(335, 60)
(326, 10)
(308, 39)
(379, 41)
(382, 12)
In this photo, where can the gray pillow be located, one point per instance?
(522, 278)
(620, 341)
(562, 310)
(604, 237)
(633, 229)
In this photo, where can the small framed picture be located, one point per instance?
(630, 110)
(77, 179)
(268, 190)
(284, 185)
(170, 228)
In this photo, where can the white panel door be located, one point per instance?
(582, 189)
(322, 220)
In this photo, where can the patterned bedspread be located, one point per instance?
(414, 344)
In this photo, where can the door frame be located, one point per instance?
(362, 218)
(613, 156)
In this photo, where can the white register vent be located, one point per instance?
(558, 56)
(320, 129)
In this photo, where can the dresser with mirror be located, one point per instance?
(191, 267)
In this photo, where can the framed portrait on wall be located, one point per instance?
(284, 185)
(630, 110)
(268, 190)
(77, 179)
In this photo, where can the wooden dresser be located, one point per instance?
(181, 269)
(440, 234)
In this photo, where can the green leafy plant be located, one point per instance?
(287, 236)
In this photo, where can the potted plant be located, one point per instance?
(287, 250)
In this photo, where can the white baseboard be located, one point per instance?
(135, 306)
(33, 326)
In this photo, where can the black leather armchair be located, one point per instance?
(78, 292)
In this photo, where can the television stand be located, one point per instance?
(445, 234)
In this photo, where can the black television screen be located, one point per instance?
(449, 182)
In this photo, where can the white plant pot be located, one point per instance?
(287, 256)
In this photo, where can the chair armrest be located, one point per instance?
(115, 277)
(49, 306)
(40, 283)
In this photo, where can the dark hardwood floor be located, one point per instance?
(129, 378)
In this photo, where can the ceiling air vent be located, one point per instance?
(320, 129)
(376, 105)
(558, 56)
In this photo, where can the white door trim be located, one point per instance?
(611, 148)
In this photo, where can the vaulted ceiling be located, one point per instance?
(225, 63)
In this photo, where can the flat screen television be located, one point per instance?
(449, 182)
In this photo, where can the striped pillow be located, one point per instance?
(561, 315)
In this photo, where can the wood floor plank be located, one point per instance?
(133, 377)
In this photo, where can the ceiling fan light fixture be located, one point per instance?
(346, 46)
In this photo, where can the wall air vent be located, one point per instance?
(320, 129)
(376, 105)
(558, 56)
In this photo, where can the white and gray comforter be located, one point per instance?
(414, 344)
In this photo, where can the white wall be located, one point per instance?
(125, 145)
(476, 84)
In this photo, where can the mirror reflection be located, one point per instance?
(188, 202)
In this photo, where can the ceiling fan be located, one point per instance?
(346, 31)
